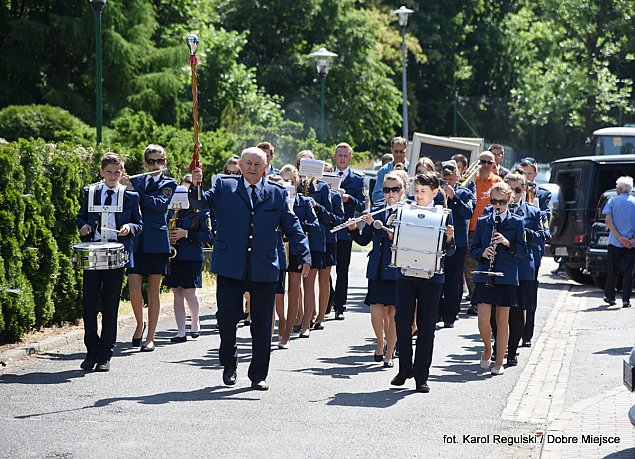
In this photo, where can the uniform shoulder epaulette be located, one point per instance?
(359, 174)
(276, 184)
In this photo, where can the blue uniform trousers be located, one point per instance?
(229, 297)
(341, 268)
(453, 285)
(411, 290)
(110, 280)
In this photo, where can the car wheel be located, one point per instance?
(578, 275)
(599, 281)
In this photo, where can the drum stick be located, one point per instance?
(104, 228)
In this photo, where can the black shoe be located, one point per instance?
(88, 364)
(472, 311)
(148, 346)
(318, 326)
(609, 301)
(422, 387)
(103, 366)
(626, 305)
(526, 343)
(400, 379)
(296, 328)
(512, 361)
(229, 376)
(178, 339)
(136, 342)
(247, 322)
(260, 385)
(194, 335)
(339, 315)
(389, 364)
(378, 357)
(448, 324)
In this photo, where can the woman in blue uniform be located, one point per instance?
(382, 279)
(501, 236)
(193, 230)
(422, 295)
(303, 209)
(318, 192)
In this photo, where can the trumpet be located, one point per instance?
(172, 227)
(143, 174)
(469, 173)
(360, 218)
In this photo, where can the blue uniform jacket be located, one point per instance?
(191, 247)
(154, 201)
(245, 235)
(380, 255)
(506, 260)
(337, 217)
(131, 214)
(323, 208)
(448, 247)
(303, 209)
(544, 200)
(462, 208)
(354, 186)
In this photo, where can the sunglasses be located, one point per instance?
(233, 173)
(394, 189)
(484, 161)
(517, 190)
(449, 168)
(152, 162)
(498, 202)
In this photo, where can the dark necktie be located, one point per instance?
(254, 195)
(108, 201)
(341, 173)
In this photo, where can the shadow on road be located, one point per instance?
(630, 452)
(380, 399)
(343, 367)
(615, 351)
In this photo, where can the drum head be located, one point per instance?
(97, 246)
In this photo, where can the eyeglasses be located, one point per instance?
(394, 189)
(498, 202)
(528, 160)
(484, 162)
(233, 173)
(152, 162)
(449, 167)
(518, 190)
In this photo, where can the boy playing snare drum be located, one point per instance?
(122, 226)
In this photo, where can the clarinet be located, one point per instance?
(492, 260)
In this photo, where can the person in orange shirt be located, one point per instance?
(485, 179)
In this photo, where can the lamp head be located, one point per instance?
(192, 43)
(98, 5)
(403, 14)
(322, 57)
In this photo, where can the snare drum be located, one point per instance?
(418, 241)
(99, 255)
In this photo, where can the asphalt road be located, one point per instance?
(327, 398)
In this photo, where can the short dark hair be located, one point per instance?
(111, 158)
(153, 148)
(266, 146)
(430, 179)
(459, 158)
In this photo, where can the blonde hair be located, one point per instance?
(502, 188)
(303, 154)
(293, 170)
(427, 163)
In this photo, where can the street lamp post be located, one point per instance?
(322, 57)
(98, 7)
(403, 14)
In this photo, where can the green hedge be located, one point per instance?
(39, 198)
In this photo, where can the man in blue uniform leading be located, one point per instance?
(248, 211)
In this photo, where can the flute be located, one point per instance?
(359, 219)
(143, 174)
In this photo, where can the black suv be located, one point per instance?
(597, 253)
(581, 181)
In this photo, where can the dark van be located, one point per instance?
(582, 181)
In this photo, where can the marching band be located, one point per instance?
(275, 228)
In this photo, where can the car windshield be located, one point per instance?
(615, 145)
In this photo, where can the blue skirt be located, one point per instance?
(184, 274)
(318, 260)
(499, 295)
(150, 263)
(381, 292)
(294, 262)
